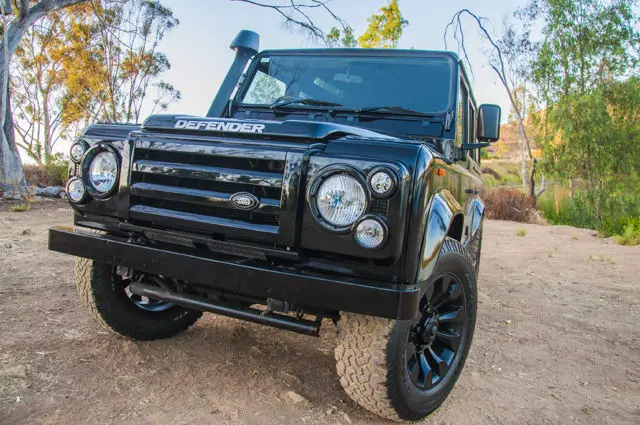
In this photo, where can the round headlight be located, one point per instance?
(77, 150)
(76, 191)
(341, 200)
(382, 183)
(103, 172)
(370, 233)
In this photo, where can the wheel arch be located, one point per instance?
(445, 218)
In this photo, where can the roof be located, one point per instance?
(364, 52)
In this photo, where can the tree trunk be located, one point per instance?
(12, 181)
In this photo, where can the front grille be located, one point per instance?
(380, 206)
(187, 185)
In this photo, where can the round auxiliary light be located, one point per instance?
(103, 172)
(76, 191)
(77, 150)
(382, 183)
(370, 233)
(341, 200)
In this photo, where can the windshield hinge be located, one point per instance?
(447, 122)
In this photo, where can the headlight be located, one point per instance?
(103, 172)
(382, 182)
(76, 191)
(77, 150)
(341, 200)
(370, 233)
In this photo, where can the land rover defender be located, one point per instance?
(338, 184)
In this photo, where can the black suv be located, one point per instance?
(335, 183)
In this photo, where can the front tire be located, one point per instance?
(405, 369)
(104, 292)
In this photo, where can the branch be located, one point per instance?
(295, 14)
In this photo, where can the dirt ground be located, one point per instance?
(557, 342)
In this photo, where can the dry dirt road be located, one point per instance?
(557, 342)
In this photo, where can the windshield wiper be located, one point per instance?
(311, 102)
(393, 109)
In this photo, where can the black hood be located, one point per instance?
(296, 129)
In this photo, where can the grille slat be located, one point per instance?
(188, 186)
(217, 174)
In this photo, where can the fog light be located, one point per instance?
(370, 233)
(76, 190)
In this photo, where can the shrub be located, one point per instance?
(521, 232)
(509, 204)
(21, 207)
(52, 174)
(631, 233)
(618, 213)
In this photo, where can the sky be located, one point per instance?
(198, 48)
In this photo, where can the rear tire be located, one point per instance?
(103, 291)
(390, 367)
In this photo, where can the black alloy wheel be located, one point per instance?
(434, 338)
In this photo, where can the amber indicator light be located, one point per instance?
(440, 172)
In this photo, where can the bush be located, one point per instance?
(510, 204)
(618, 214)
(52, 174)
(631, 233)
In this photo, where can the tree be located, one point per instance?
(385, 28)
(585, 71)
(506, 61)
(36, 88)
(13, 28)
(111, 61)
(16, 22)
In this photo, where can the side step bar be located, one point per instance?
(281, 321)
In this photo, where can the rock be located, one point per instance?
(26, 231)
(331, 410)
(346, 417)
(48, 192)
(294, 397)
(19, 371)
(8, 245)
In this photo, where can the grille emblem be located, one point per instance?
(244, 201)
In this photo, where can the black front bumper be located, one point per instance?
(324, 294)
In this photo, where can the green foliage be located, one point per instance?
(630, 235)
(620, 211)
(385, 28)
(521, 232)
(586, 73)
(344, 38)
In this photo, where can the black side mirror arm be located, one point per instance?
(472, 146)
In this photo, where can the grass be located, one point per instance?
(619, 212)
(630, 235)
(521, 232)
(21, 208)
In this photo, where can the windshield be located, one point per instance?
(422, 84)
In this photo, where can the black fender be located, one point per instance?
(475, 215)
(443, 215)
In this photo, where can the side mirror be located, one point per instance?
(489, 123)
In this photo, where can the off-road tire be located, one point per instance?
(370, 352)
(102, 291)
